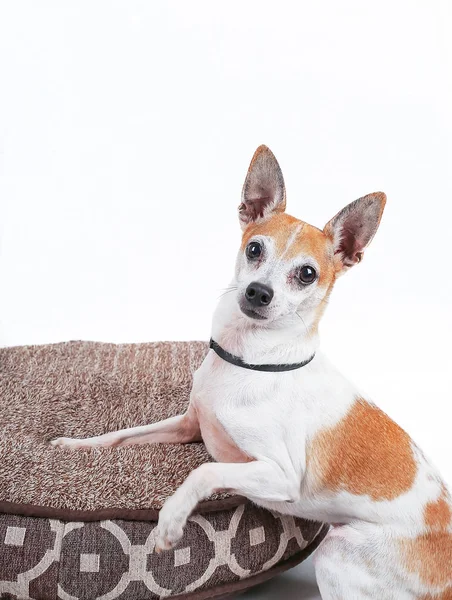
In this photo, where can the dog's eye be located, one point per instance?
(253, 250)
(307, 274)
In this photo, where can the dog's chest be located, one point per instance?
(218, 442)
(238, 410)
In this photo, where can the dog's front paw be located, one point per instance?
(66, 442)
(170, 528)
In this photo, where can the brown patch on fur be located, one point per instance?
(438, 514)
(430, 556)
(366, 453)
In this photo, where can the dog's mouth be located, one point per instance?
(252, 314)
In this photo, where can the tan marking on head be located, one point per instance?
(309, 241)
(313, 242)
(438, 514)
(430, 557)
(279, 227)
(366, 453)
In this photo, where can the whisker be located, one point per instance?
(302, 320)
(228, 290)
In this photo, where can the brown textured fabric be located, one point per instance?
(82, 389)
(220, 553)
(81, 524)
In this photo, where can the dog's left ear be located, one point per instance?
(264, 191)
(353, 228)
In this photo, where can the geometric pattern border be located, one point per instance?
(47, 559)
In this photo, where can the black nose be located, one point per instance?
(258, 294)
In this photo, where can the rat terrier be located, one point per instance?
(287, 430)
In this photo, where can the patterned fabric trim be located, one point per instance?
(221, 553)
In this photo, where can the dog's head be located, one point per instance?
(285, 266)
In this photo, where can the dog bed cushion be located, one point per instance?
(80, 524)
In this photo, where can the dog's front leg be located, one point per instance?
(175, 430)
(257, 480)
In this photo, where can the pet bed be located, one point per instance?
(81, 524)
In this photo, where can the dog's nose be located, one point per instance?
(259, 294)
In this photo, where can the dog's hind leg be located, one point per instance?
(355, 562)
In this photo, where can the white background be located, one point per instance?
(126, 129)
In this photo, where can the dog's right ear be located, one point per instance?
(263, 191)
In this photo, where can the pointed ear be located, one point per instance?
(263, 191)
(353, 228)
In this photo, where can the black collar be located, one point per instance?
(239, 362)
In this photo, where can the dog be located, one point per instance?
(287, 430)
